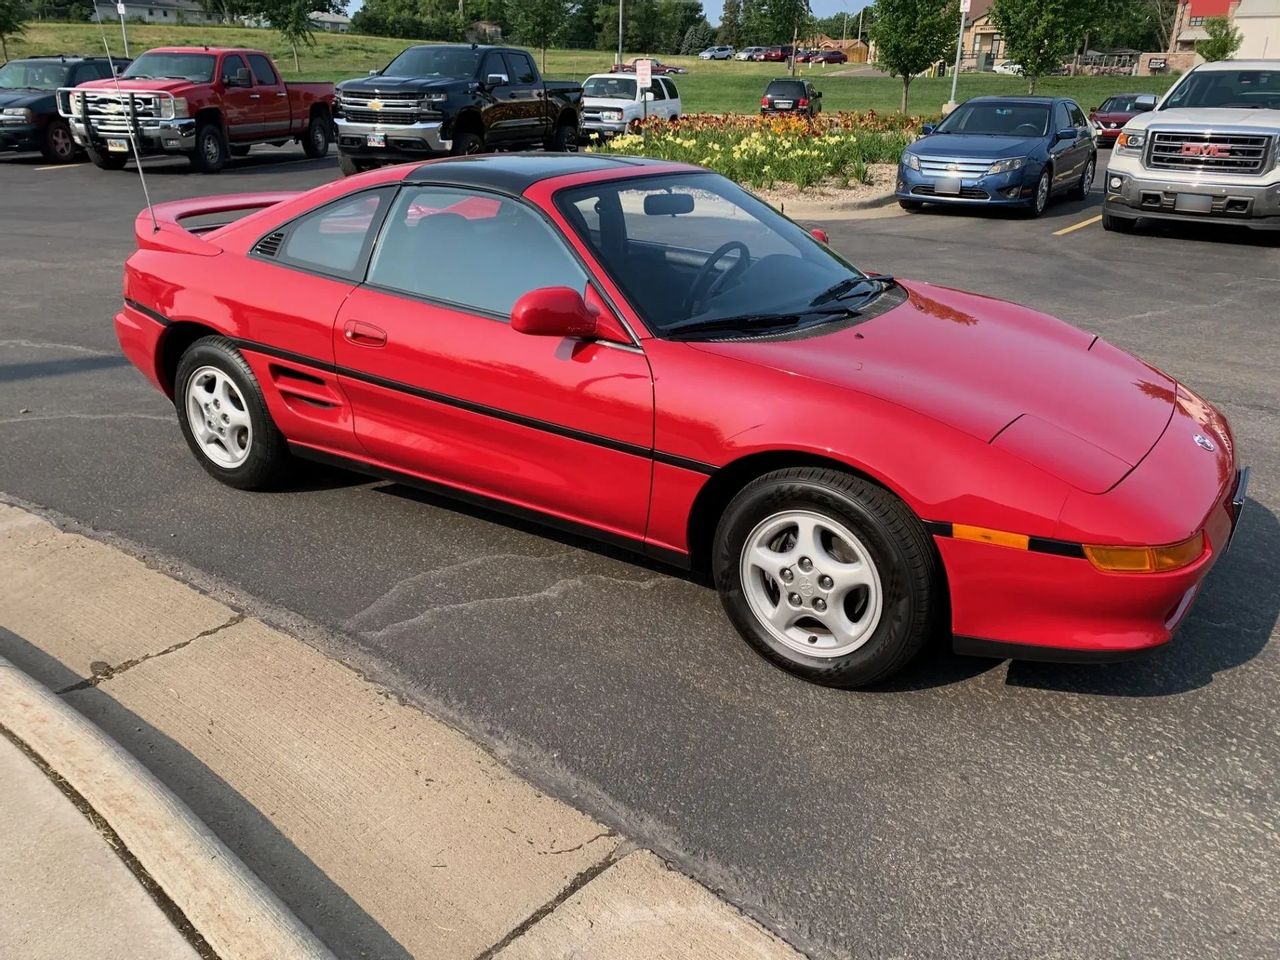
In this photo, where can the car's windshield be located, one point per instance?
(435, 62)
(695, 249)
(615, 88)
(785, 88)
(34, 75)
(196, 67)
(1247, 89)
(998, 118)
(1123, 104)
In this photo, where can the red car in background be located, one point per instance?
(657, 67)
(776, 54)
(1109, 119)
(828, 56)
(644, 352)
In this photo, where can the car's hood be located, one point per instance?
(1113, 116)
(617, 103)
(139, 84)
(969, 145)
(1202, 117)
(26, 98)
(393, 84)
(1084, 410)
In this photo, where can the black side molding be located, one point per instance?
(999, 650)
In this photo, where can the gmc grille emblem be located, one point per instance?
(1205, 150)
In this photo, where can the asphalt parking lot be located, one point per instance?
(971, 808)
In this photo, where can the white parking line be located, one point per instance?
(62, 166)
(1078, 226)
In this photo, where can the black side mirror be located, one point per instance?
(1068, 134)
(927, 129)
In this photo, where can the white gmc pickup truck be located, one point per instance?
(1210, 151)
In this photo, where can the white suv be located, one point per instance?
(612, 102)
(716, 53)
(1210, 151)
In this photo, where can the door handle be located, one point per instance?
(255, 96)
(281, 93)
(364, 334)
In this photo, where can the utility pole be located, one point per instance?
(795, 38)
(955, 75)
(619, 32)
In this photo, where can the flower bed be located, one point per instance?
(764, 151)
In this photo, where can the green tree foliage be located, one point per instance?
(912, 35)
(292, 19)
(697, 38)
(538, 23)
(1042, 34)
(13, 15)
(649, 26)
(730, 31)
(414, 19)
(1224, 39)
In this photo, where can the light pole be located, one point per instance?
(955, 74)
(619, 32)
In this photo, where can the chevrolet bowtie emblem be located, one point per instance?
(375, 104)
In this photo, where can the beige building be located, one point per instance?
(1259, 24)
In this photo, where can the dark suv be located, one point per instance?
(791, 96)
(28, 107)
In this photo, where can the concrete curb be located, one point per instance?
(237, 915)
(816, 209)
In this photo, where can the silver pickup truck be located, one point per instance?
(1210, 151)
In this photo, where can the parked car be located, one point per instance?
(749, 53)
(1109, 119)
(1009, 67)
(790, 95)
(803, 55)
(777, 54)
(435, 99)
(1001, 152)
(613, 104)
(205, 103)
(1206, 153)
(829, 56)
(657, 67)
(645, 352)
(721, 52)
(29, 118)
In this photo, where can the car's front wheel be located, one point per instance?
(826, 575)
(1117, 224)
(211, 148)
(57, 145)
(1040, 199)
(224, 418)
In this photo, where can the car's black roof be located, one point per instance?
(514, 173)
(996, 98)
(68, 58)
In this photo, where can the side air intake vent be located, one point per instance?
(269, 245)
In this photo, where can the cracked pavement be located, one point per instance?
(972, 809)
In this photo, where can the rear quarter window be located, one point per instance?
(263, 73)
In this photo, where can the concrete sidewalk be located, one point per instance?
(385, 831)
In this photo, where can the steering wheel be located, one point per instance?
(697, 299)
(1026, 130)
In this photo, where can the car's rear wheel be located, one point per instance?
(350, 166)
(211, 148)
(57, 145)
(467, 143)
(826, 575)
(224, 417)
(315, 143)
(564, 140)
(1082, 189)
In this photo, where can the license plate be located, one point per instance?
(1193, 203)
(376, 140)
(118, 146)
(948, 186)
(782, 104)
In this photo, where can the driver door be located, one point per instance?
(242, 106)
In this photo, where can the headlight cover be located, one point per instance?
(1131, 141)
(1007, 166)
(910, 160)
(17, 115)
(432, 100)
(611, 115)
(172, 108)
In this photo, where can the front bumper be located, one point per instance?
(603, 128)
(19, 136)
(153, 136)
(1014, 189)
(408, 140)
(1134, 195)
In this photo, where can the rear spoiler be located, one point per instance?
(160, 228)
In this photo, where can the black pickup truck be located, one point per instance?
(452, 98)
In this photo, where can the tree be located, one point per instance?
(1224, 39)
(1041, 34)
(697, 38)
(912, 35)
(538, 22)
(292, 19)
(13, 15)
(731, 23)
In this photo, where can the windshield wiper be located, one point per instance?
(754, 321)
(845, 287)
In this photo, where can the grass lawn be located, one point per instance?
(709, 87)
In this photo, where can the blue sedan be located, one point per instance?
(1001, 151)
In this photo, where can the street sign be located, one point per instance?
(120, 9)
(644, 73)
(964, 6)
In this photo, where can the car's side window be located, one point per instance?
(438, 243)
(231, 65)
(494, 66)
(334, 239)
(520, 68)
(1077, 115)
(658, 92)
(263, 73)
(1061, 118)
(672, 92)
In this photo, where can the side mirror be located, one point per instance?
(553, 312)
(817, 94)
(495, 80)
(820, 235)
(927, 129)
(1145, 102)
(1093, 109)
(647, 95)
(243, 78)
(1067, 134)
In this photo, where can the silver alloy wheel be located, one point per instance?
(1042, 192)
(1086, 183)
(218, 417)
(811, 583)
(63, 146)
(212, 148)
(318, 138)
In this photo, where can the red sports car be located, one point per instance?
(644, 352)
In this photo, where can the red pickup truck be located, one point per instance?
(206, 103)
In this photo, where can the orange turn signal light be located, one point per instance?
(1147, 559)
(1001, 538)
(1122, 140)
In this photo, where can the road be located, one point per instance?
(970, 809)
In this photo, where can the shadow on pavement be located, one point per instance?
(36, 369)
(316, 900)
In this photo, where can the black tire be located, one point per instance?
(467, 143)
(106, 161)
(349, 166)
(896, 542)
(1117, 224)
(315, 143)
(211, 148)
(1040, 200)
(1082, 188)
(564, 140)
(56, 146)
(240, 149)
(268, 460)
(912, 206)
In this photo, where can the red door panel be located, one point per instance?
(560, 426)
